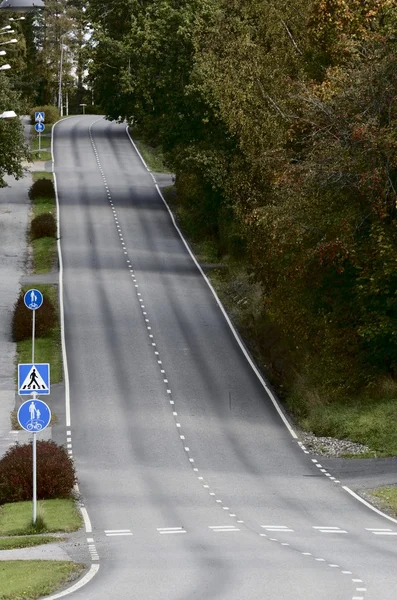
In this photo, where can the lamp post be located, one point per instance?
(8, 114)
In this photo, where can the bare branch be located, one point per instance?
(291, 37)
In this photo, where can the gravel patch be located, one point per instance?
(328, 446)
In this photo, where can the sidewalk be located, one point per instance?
(46, 552)
(14, 220)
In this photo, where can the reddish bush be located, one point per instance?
(55, 473)
(22, 320)
(42, 188)
(43, 225)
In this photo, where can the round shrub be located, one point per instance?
(43, 226)
(51, 113)
(56, 474)
(22, 319)
(42, 188)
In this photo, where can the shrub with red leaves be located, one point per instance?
(55, 473)
(22, 319)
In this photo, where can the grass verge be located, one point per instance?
(44, 254)
(42, 175)
(386, 498)
(35, 578)
(368, 421)
(47, 349)
(11, 543)
(59, 515)
(153, 157)
(45, 248)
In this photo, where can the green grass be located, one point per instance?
(35, 578)
(44, 254)
(59, 515)
(10, 543)
(46, 349)
(41, 175)
(42, 155)
(154, 157)
(387, 498)
(44, 249)
(365, 420)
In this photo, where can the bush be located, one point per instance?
(22, 319)
(43, 225)
(51, 113)
(56, 475)
(42, 188)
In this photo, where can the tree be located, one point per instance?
(12, 146)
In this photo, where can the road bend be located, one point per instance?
(193, 483)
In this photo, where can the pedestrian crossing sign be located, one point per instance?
(34, 379)
(39, 117)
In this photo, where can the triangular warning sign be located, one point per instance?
(34, 381)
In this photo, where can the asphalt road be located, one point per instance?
(194, 486)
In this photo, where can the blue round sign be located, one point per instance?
(33, 299)
(39, 127)
(34, 415)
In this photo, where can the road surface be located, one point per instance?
(193, 483)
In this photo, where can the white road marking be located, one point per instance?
(170, 530)
(83, 581)
(86, 519)
(280, 528)
(118, 534)
(329, 529)
(223, 528)
(367, 504)
(384, 532)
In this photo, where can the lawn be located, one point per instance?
(41, 175)
(26, 541)
(59, 515)
(44, 254)
(387, 498)
(35, 578)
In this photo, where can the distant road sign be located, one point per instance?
(34, 378)
(39, 127)
(33, 299)
(34, 415)
(39, 117)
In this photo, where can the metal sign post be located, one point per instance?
(33, 300)
(34, 415)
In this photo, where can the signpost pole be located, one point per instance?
(39, 143)
(34, 479)
(33, 333)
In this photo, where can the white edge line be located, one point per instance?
(83, 581)
(86, 519)
(60, 291)
(367, 504)
(236, 335)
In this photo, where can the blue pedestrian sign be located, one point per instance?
(33, 299)
(39, 127)
(34, 379)
(39, 117)
(34, 415)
